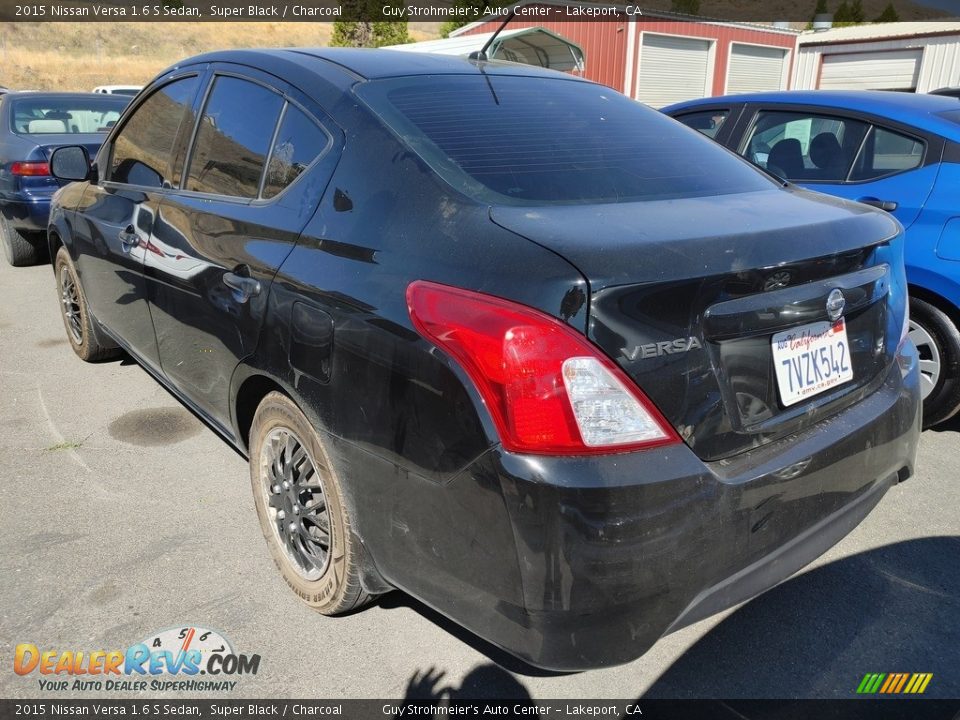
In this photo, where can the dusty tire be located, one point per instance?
(19, 250)
(75, 313)
(938, 343)
(284, 448)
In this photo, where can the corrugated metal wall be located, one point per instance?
(723, 35)
(605, 43)
(940, 66)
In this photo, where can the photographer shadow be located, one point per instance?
(885, 610)
(890, 609)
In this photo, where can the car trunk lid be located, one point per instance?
(687, 295)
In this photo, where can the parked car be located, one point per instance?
(896, 151)
(117, 89)
(496, 336)
(31, 125)
(948, 91)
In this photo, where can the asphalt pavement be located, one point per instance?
(122, 516)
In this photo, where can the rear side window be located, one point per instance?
(543, 140)
(141, 152)
(805, 147)
(707, 122)
(886, 152)
(299, 142)
(233, 138)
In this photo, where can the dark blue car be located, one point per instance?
(896, 151)
(32, 125)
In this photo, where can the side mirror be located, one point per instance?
(70, 163)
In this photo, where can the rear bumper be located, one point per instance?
(30, 213)
(575, 563)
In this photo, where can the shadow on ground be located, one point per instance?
(950, 426)
(892, 609)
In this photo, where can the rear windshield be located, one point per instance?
(51, 116)
(542, 140)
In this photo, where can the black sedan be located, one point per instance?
(32, 125)
(496, 336)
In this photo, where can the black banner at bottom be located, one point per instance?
(444, 709)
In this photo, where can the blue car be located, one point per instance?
(896, 151)
(33, 125)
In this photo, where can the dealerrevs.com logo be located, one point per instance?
(184, 658)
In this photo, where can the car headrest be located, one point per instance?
(46, 126)
(825, 150)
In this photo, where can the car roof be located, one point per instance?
(917, 109)
(55, 95)
(371, 64)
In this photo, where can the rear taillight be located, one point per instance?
(548, 389)
(30, 169)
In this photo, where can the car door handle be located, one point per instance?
(128, 238)
(888, 205)
(243, 288)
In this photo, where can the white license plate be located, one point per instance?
(811, 359)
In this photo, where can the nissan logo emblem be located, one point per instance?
(835, 304)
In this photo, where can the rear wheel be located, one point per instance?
(19, 249)
(301, 507)
(938, 344)
(75, 313)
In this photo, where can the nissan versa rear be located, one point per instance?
(554, 364)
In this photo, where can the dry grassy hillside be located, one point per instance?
(79, 56)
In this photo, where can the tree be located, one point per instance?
(889, 14)
(857, 15)
(367, 26)
(820, 9)
(686, 7)
(842, 15)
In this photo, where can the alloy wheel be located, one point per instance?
(70, 299)
(296, 502)
(930, 365)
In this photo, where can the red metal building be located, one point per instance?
(662, 58)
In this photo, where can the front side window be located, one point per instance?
(233, 138)
(299, 142)
(142, 151)
(886, 152)
(804, 147)
(707, 122)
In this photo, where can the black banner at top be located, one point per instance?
(461, 11)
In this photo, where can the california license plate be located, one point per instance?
(811, 359)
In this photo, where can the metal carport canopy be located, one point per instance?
(532, 46)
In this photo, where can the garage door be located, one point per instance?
(756, 69)
(895, 70)
(672, 69)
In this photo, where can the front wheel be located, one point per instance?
(76, 313)
(938, 345)
(301, 507)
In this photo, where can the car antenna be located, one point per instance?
(481, 54)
